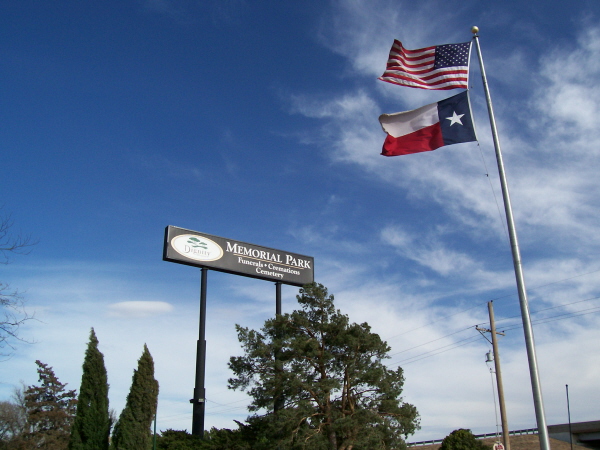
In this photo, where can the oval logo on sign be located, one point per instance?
(196, 247)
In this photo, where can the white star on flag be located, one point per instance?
(425, 128)
(455, 118)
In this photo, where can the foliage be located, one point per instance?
(50, 410)
(12, 307)
(226, 439)
(12, 421)
(132, 431)
(179, 440)
(91, 428)
(462, 439)
(328, 376)
(244, 438)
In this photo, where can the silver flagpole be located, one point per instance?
(514, 244)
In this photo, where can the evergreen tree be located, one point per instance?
(333, 390)
(132, 431)
(50, 412)
(91, 428)
(463, 439)
(180, 440)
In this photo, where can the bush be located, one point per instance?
(462, 439)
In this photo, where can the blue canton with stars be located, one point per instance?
(452, 55)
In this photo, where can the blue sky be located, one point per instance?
(257, 121)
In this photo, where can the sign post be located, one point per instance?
(206, 251)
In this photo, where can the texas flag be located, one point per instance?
(429, 127)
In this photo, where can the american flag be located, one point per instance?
(438, 67)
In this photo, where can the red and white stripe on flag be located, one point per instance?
(438, 67)
(446, 122)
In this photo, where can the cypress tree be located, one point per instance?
(91, 428)
(132, 431)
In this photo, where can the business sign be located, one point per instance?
(227, 255)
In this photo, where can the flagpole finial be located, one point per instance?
(474, 30)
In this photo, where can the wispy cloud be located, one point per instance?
(565, 95)
(551, 196)
(363, 31)
(138, 309)
(346, 107)
(420, 273)
(550, 144)
(430, 250)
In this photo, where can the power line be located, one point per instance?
(551, 307)
(437, 351)
(466, 341)
(424, 355)
(562, 316)
(538, 321)
(494, 299)
(421, 345)
(227, 406)
(435, 321)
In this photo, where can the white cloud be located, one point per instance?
(428, 251)
(551, 155)
(346, 107)
(427, 287)
(568, 96)
(363, 31)
(138, 309)
(550, 144)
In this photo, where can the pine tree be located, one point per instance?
(91, 428)
(327, 373)
(132, 431)
(50, 411)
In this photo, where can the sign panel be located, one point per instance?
(227, 255)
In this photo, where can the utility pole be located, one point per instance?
(493, 332)
(569, 413)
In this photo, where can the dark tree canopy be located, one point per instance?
(50, 410)
(214, 439)
(179, 440)
(91, 428)
(12, 421)
(462, 439)
(132, 430)
(333, 390)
